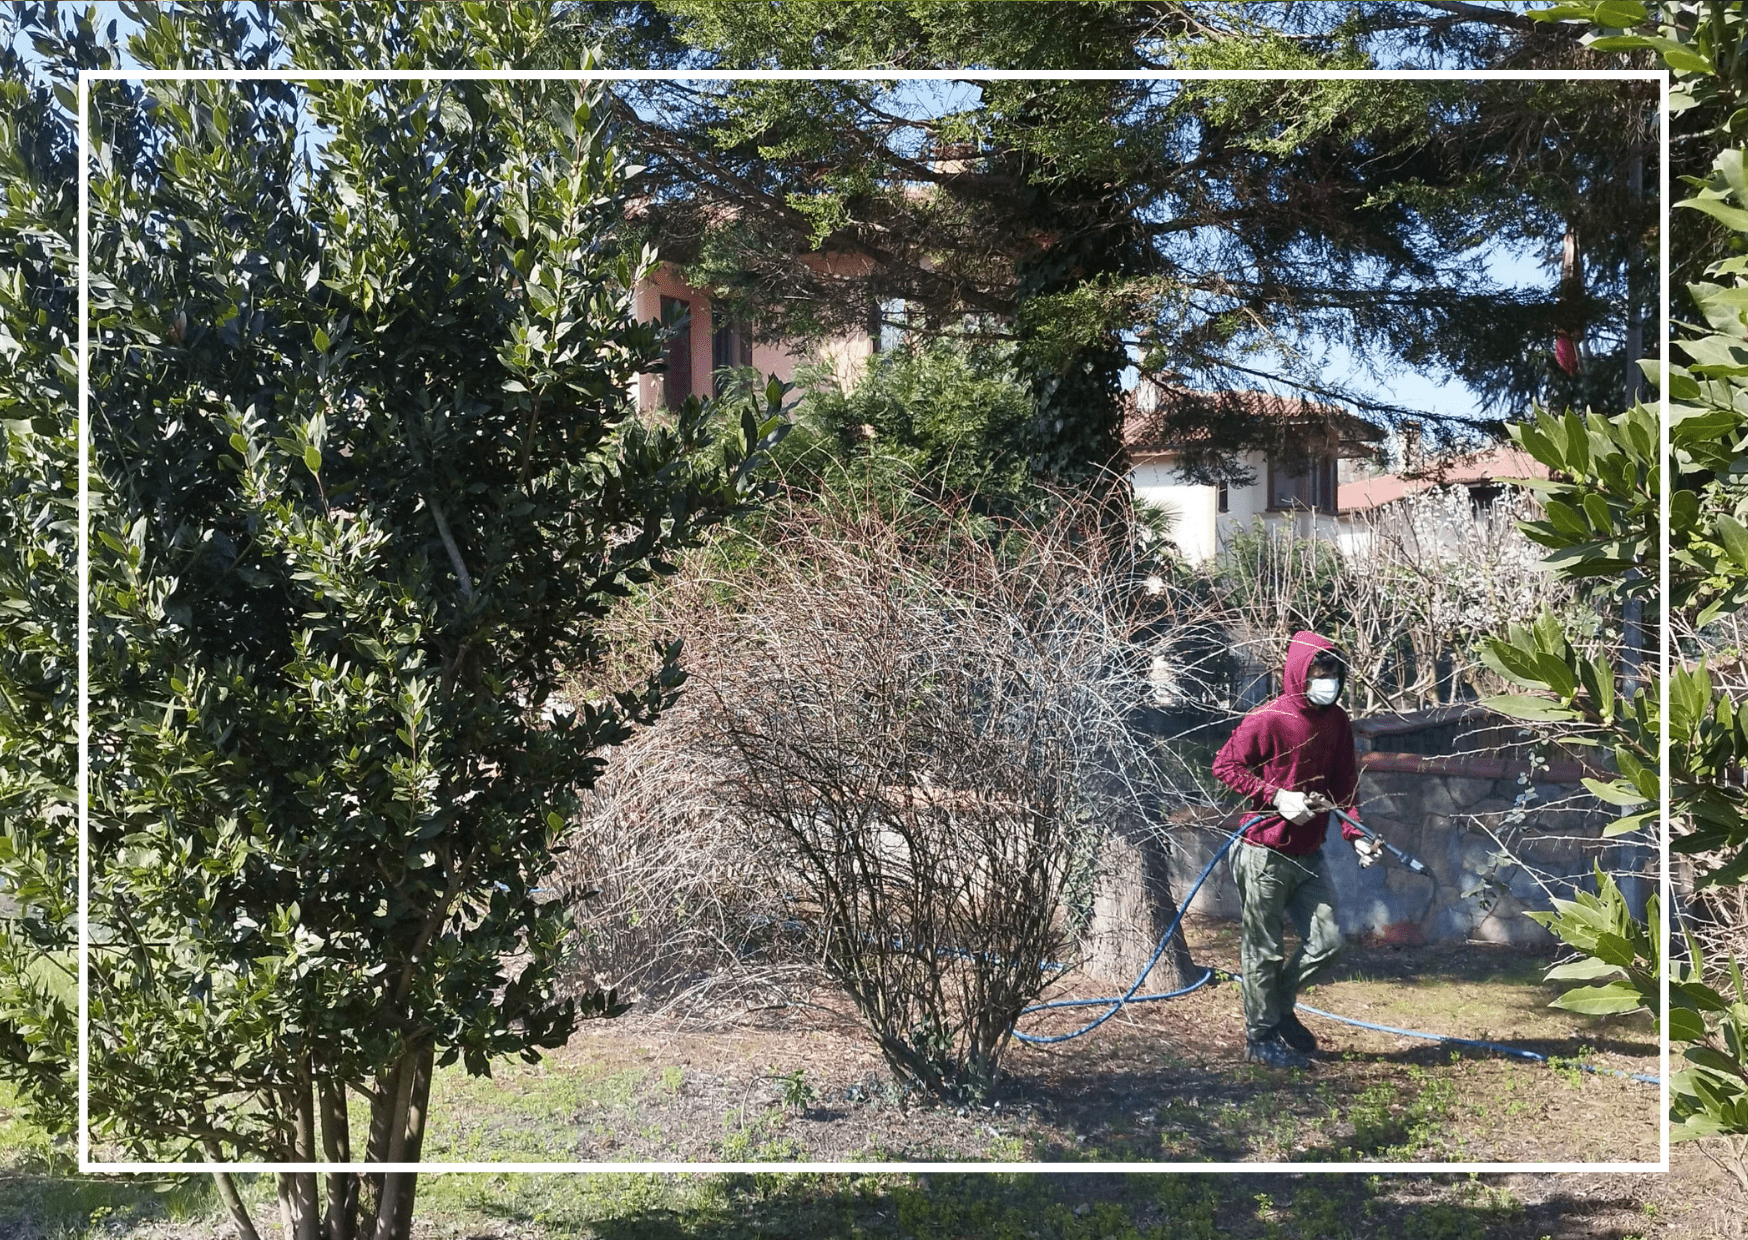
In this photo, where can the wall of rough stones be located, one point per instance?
(1492, 820)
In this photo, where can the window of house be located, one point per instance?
(731, 345)
(888, 325)
(1222, 497)
(1312, 488)
(677, 383)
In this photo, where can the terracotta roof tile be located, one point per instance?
(1147, 428)
(1476, 468)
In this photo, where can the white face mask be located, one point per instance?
(1323, 690)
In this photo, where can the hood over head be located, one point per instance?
(1304, 647)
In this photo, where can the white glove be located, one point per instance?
(1369, 851)
(1293, 806)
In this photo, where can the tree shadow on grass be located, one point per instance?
(36, 1204)
(1405, 1105)
(1123, 1207)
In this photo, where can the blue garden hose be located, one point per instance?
(1129, 996)
(1119, 1002)
(1501, 1047)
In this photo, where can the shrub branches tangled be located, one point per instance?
(911, 737)
(1410, 594)
(915, 727)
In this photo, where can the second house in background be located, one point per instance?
(1327, 486)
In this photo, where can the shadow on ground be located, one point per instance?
(1190, 1207)
(37, 1205)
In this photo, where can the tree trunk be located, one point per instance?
(1132, 906)
(299, 1209)
(394, 1215)
(1635, 341)
(309, 1204)
(296, 1215)
(227, 1191)
(416, 1113)
(388, 1111)
(341, 1221)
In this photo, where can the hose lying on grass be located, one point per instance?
(1117, 1003)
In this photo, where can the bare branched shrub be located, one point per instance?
(673, 909)
(1425, 581)
(1410, 593)
(919, 724)
(1716, 916)
(936, 836)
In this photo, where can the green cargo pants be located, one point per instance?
(1273, 886)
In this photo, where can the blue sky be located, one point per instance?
(1508, 268)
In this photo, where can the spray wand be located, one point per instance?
(1318, 802)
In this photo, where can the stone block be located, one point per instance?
(1451, 921)
(1476, 854)
(1435, 797)
(1524, 886)
(1506, 923)
(1489, 805)
(1377, 798)
(1466, 792)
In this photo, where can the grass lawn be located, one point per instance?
(1692, 1202)
(1159, 1084)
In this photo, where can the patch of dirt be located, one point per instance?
(1161, 1082)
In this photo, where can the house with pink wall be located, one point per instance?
(1329, 498)
(708, 342)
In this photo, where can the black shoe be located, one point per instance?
(1271, 1052)
(1296, 1035)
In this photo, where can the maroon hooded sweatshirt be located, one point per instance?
(1289, 743)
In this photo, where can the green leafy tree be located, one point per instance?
(362, 420)
(1602, 525)
(936, 415)
(38, 594)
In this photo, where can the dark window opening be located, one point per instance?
(1313, 488)
(1222, 497)
(731, 345)
(1482, 498)
(677, 383)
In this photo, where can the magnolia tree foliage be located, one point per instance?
(38, 618)
(361, 362)
(1603, 525)
(1602, 516)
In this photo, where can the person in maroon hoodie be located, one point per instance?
(1285, 755)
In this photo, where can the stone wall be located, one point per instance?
(1446, 809)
